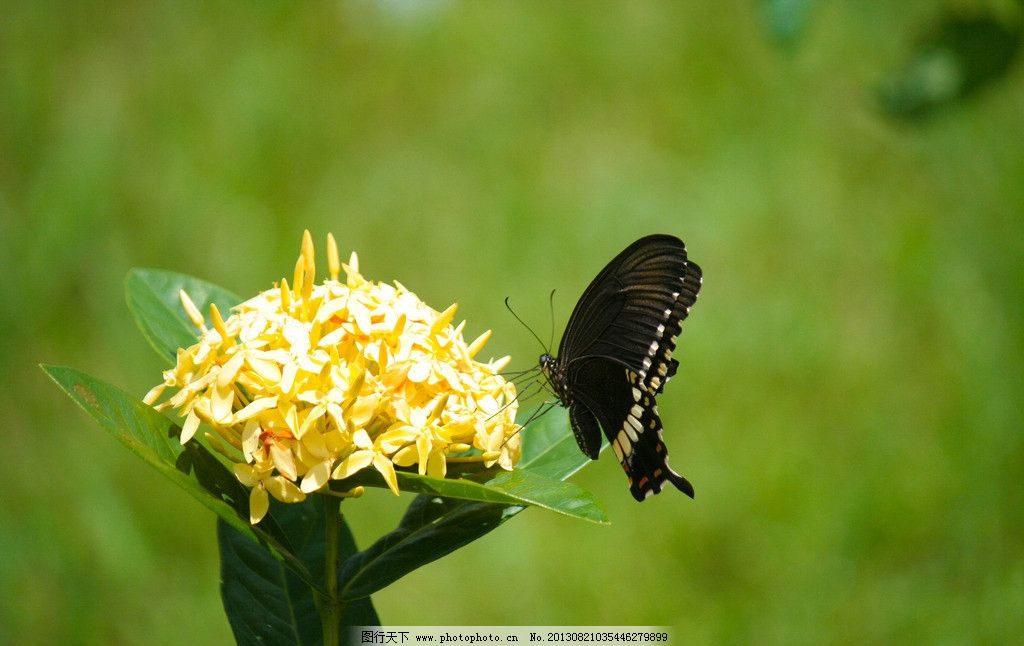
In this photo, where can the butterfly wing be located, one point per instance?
(633, 310)
(586, 429)
(616, 355)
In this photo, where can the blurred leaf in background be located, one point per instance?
(964, 53)
(787, 19)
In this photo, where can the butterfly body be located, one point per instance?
(616, 356)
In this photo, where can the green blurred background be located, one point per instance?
(849, 401)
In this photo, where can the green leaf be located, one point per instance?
(433, 527)
(518, 487)
(261, 605)
(143, 430)
(154, 438)
(152, 296)
(550, 449)
(266, 603)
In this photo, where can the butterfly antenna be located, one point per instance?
(509, 308)
(514, 375)
(525, 376)
(521, 396)
(541, 411)
(551, 309)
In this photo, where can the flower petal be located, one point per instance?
(229, 370)
(419, 372)
(316, 444)
(288, 373)
(265, 368)
(353, 463)
(316, 478)
(436, 465)
(221, 401)
(386, 469)
(254, 408)
(316, 413)
(477, 344)
(259, 503)
(362, 439)
(423, 447)
(283, 460)
(188, 429)
(191, 310)
(363, 409)
(395, 438)
(406, 457)
(246, 475)
(154, 394)
(283, 490)
(251, 439)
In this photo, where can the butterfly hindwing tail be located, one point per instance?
(646, 457)
(628, 415)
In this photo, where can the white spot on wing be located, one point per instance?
(625, 447)
(635, 423)
(627, 428)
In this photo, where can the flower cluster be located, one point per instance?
(309, 383)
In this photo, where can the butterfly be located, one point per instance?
(615, 357)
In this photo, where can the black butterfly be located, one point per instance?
(616, 355)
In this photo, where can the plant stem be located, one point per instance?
(331, 606)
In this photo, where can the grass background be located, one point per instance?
(849, 401)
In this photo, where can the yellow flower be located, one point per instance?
(308, 382)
